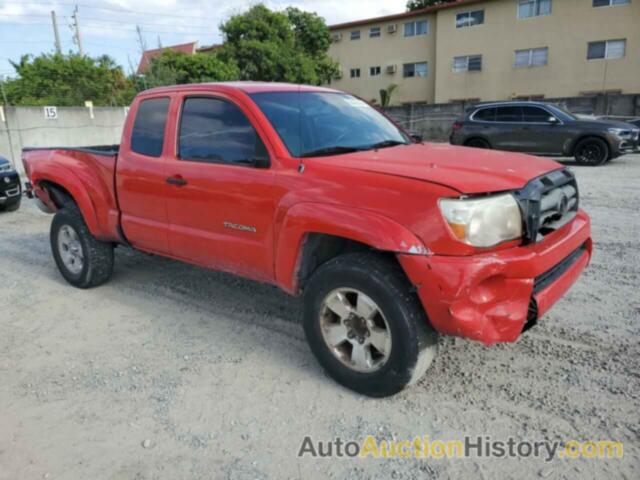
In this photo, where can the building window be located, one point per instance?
(533, 8)
(355, 35)
(532, 57)
(374, 32)
(606, 49)
(355, 73)
(468, 63)
(609, 3)
(469, 19)
(414, 70)
(412, 29)
(374, 71)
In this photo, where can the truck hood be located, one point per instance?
(468, 170)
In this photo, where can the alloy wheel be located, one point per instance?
(355, 330)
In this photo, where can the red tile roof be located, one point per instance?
(145, 61)
(400, 16)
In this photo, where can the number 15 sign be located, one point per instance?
(51, 113)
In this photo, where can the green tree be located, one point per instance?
(178, 68)
(68, 80)
(289, 46)
(420, 4)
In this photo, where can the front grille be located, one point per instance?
(548, 203)
(547, 278)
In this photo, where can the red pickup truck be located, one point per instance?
(389, 240)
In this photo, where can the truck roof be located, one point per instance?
(246, 87)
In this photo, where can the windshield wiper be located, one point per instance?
(385, 144)
(336, 150)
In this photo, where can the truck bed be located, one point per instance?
(85, 173)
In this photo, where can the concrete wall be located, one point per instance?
(28, 127)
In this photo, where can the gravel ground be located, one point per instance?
(172, 372)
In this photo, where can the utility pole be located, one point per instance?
(76, 29)
(56, 35)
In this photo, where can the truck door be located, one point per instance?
(220, 195)
(140, 177)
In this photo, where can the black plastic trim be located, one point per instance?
(547, 278)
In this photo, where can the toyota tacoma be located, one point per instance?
(389, 241)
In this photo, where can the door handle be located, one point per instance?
(177, 181)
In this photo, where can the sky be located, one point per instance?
(109, 26)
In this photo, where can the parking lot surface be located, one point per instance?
(171, 371)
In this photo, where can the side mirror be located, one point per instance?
(417, 137)
(552, 120)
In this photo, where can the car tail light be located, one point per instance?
(457, 126)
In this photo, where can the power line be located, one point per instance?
(119, 10)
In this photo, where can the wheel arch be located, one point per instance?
(311, 235)
(586, 136)
(58, 192)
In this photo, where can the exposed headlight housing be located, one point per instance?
(483, 222)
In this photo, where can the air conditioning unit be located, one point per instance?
(391, 69)
(336, 37)
(393, 28)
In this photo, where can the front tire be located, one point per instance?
(13, 207)
(592, 152)
(366, 327)
(83, 261)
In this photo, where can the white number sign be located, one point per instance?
(51, 113)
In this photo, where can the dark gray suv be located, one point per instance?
(544, 129)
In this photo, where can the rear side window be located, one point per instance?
(216, 131)
(509, 114)
(147, 137)
(485, 115)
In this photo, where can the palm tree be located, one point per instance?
(386, 94)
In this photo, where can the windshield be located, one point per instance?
(326, 123)
(561, 113)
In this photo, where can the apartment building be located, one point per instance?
(493, 50)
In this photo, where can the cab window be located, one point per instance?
(213, 130)
(147, 137)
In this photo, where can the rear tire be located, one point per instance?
(477, 143)
(395, 333)
(592, 152)
(83, 261)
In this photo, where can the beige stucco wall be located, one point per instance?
(566, 32)
(386, 50)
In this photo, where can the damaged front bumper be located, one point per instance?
(493, 297)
